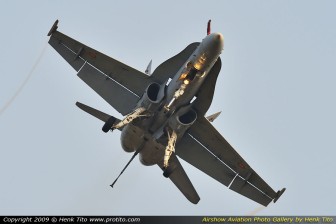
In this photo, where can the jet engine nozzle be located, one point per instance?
(152, 97)
(182, 120)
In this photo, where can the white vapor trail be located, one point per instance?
(11, 100)
(255, 211)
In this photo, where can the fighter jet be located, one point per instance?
(163, 113)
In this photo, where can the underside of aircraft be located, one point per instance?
(164, 113)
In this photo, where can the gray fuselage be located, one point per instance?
(169, 106)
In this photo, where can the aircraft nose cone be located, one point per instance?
(219, 40)
(219, 37)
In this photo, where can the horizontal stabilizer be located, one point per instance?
(96, 113)
(178, 176)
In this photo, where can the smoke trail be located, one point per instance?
(255, 211)
(11, 100)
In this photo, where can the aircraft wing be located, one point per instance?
(107, 76)
(204, 147)
(178, 176)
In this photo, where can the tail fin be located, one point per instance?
(148, 70)
(209, 27)
(212, 117)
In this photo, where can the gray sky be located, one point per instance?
(276, 90)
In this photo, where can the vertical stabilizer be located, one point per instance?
(148, 70)
(209, 27)
(212, 117)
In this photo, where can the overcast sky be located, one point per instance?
(276, 91)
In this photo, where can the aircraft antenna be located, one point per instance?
(134, 155)
(209, 27)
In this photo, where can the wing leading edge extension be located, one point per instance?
(107, 76)
(204, 147)
(171, 66)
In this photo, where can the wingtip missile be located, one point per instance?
(278, 195)
(53, 28)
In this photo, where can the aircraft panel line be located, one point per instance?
(233, 180)
(257, 188)
(212, 153)
(113, 80)
(99, 70)
(237, 174)
(71, 50)
(82, 67)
